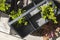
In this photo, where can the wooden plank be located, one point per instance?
(4, 36)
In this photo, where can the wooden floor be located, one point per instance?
(4, 36)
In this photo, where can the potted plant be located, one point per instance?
(3, 5)
(22, 26)
(48, 12)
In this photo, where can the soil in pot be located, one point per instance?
(23, 30)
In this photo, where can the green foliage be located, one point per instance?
(2, 5)
(14, 15)
(48, 12)
(7, 6)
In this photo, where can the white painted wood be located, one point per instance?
(4, 27)
(31, 37)
(34, 12)
(41, 21)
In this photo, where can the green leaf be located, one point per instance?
(14, 15)
(48, 12)
(25, 23)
